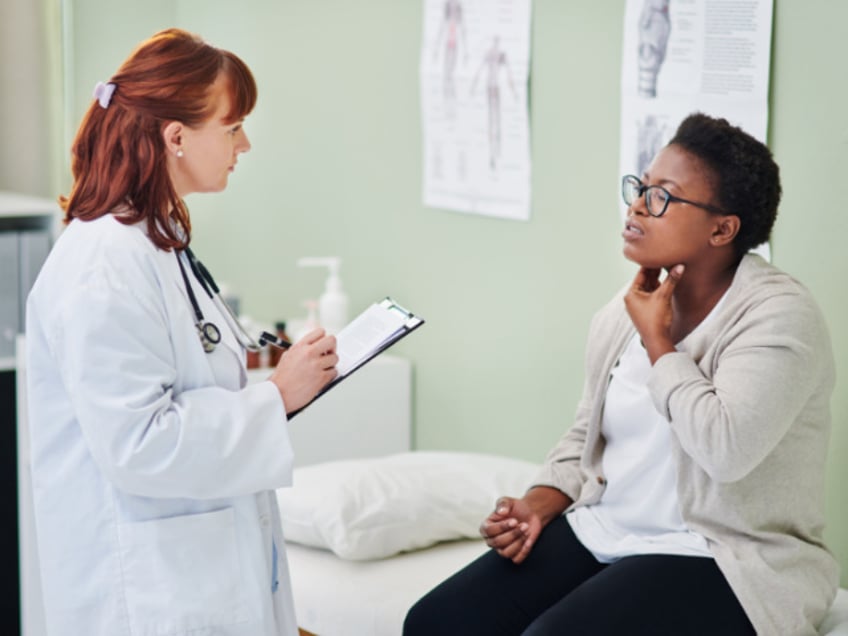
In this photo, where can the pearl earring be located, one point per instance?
(179, 152)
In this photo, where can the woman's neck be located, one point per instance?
(695, 296)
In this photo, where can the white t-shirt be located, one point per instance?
(639, 512)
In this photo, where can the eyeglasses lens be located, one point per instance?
(630, 187)
(656, 198)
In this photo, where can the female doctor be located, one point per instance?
(153, 464)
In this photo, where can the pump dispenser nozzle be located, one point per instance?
(332, 305)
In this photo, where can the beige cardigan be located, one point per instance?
(749, 409)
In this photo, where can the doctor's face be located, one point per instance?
(210, 150)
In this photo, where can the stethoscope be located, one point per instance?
(210, 335)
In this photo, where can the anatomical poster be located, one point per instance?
(682, 56)
(474, 71)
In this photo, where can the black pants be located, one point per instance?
(561, 589)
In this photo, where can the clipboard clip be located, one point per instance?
(411, 319)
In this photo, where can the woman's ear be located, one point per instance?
(172, 135)
(725, 230)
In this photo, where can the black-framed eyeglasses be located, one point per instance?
(657, 198)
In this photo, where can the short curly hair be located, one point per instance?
(747, 180)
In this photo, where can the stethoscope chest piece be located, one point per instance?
(210, 335)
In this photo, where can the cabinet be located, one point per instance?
(27, 230)
(27, 227)
(367, 415)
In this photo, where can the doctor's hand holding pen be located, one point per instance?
(306, 368)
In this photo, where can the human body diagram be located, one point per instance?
(450, 38)
(654, 31)
(493, 64)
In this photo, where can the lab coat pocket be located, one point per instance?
(182, 573)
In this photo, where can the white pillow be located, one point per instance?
(374, 508)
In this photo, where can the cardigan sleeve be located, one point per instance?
(561, 468)
(730, 409)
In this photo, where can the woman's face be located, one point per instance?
(209, 151)
(683, 233)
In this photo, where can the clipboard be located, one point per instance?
(384, 323)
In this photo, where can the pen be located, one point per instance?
(271, 339)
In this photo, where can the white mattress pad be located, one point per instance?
(334, 597)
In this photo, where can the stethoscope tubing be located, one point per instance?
(209, 333)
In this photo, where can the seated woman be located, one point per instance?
(687, 497)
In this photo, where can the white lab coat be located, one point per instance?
(153, 465)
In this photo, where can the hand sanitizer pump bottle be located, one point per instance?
(333, 303)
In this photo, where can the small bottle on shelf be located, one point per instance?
(253, 360)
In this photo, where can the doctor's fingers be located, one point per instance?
(299, 381)
(316, 343)
(321, 340)
(326, 345)
(319, 356)
(329, 361)
(313, 336)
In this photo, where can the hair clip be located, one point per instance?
(103, 93)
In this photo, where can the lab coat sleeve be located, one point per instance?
(122, 360)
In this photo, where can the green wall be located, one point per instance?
(336, 169)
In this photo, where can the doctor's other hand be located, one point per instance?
(305, 368)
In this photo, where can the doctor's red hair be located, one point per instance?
(118, 158)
